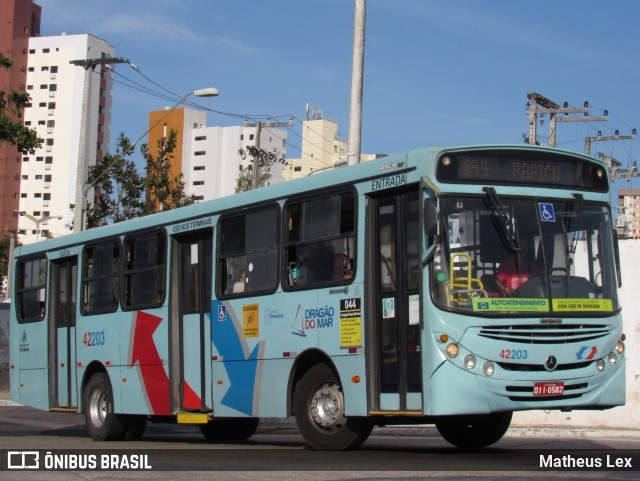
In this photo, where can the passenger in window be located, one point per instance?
(239, 285)
(341, 267)
(302, 267)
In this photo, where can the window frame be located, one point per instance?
(287, 244)
(20, 291)
(125, 272)
(85, 279)
(221, 259)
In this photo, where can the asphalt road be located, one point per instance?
(279, 452)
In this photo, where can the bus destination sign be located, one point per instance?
(522, 168)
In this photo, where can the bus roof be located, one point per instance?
(423, 159)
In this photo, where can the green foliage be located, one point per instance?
(120, 188)
(121, 193)
(4, 256)
(265, 160)
(12, 129)
(164, 190)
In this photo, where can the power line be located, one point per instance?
(128, 82)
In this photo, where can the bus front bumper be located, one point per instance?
(454, 390)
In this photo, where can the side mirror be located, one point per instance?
(616, 254)
(430, 216)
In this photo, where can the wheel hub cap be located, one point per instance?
(326, 406)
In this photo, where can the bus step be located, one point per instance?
(193, 418)
(64, 410)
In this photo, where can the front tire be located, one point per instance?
(102, 423)
(320, 414)
(474, 431)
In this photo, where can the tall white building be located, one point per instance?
(211, 158)
(56, 87)
(220, 153)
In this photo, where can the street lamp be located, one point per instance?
(81, 194)
(37, 220)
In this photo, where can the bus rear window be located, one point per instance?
(31, 278)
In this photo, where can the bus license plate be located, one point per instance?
(548, 389)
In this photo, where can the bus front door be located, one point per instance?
(62, 333)
(395, 261)
(190, 325)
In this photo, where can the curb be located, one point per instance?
(273, 425)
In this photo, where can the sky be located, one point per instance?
(437, 72)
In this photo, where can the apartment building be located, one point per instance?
(628, 221)
(211, 158)
(59, 113)
(19, 21)
(321, 149)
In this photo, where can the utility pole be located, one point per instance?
(357, 76)
(601, 138)
(553, 109)
(616, 171)
(259, 126)
(89, 64)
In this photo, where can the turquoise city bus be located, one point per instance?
(447, 286)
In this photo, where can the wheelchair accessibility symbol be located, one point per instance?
(547, 214)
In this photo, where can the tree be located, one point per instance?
(12, 129)
(119, 188)
(264, 159)
(5, 242)
(164, 191)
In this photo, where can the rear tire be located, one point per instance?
(102, 423)
(135, 425)
(474, 431)
(235, 429)
(320, 414)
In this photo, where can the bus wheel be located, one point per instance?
(229, 429)
(319, 409)
(474, 431)
(103, 424)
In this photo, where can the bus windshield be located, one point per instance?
(502, 256)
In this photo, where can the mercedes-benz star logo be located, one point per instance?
(551, 363)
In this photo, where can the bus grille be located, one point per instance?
(508, 366)
(525, 393)
(541, 334)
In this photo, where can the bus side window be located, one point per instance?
(101, 275)
(31, 278)
(248, 258)
(319, 237)
(145, 267)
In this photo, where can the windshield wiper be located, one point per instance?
(578, 226)
(506, 228)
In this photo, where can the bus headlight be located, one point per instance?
(470, 361)
(452, 350)
(600, 365)
(489, 368)
(612, 358)
(619, 349)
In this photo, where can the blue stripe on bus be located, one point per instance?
(241, 370)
